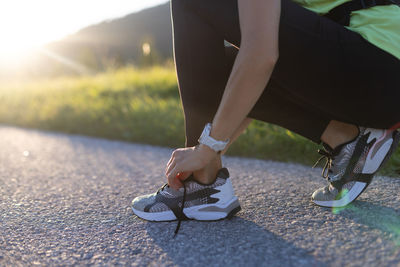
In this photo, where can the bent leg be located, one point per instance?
(203, 66)
(323, 66)
(199, 58)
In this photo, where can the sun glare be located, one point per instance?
(20, 32)
(14, 49)
(26, 24)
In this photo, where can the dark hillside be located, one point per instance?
(119, 41)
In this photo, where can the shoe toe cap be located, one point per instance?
(324, 194)
(139, 203)
(318, 194)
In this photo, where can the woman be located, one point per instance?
(309, 73)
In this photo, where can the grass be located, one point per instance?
(137, 105)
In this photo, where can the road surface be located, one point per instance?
(65, 200)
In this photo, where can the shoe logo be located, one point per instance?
(373, 134)
(378, 151)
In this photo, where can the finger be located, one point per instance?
(170, 167)
(172, 174)
(175, 183)
(170, 160)
(174, 157)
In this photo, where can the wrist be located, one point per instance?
(207, 149)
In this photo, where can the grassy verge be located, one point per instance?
(139, 106)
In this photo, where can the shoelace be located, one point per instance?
(328, 164)
(162, 188)
(181, 205)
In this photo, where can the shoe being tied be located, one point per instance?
(350, 167)
(195, 201)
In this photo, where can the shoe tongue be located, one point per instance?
(327, 147)
(330, 150)
(333, 151)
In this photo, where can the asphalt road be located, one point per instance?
(65, 200)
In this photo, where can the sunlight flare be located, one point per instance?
(65, 61)
(27, 25)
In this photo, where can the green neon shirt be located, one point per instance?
(379, 25)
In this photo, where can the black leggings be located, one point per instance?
(324, 72)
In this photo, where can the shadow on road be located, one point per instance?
(382, 218)
(229, 242)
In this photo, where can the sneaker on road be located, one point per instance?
(194, 201)
(350, 167)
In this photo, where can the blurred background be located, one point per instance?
(105, 68)
(47, 38)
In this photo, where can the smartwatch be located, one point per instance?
(207, 140)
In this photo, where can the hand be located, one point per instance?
(184, 161)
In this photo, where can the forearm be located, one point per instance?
(242, 127)
(259, 27)
(247, 81)
(258, 53)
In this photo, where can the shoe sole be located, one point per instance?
(206, 212)
(353, 193)
(359, 187)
